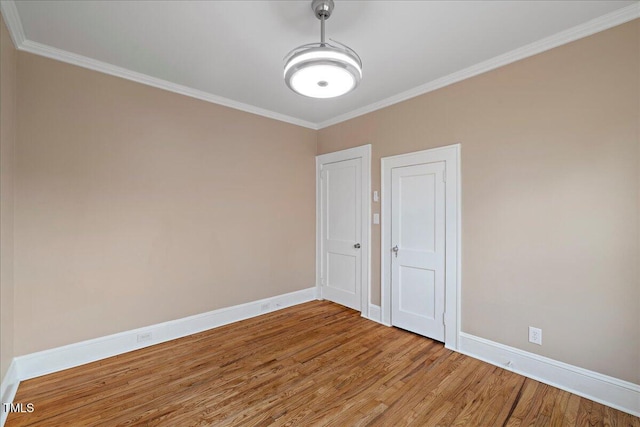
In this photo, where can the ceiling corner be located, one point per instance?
(12, 19)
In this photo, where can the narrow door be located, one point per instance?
(418, 248)
(341, 213)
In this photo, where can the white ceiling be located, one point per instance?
(231, 52)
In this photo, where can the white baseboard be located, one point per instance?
(374, 313)
(8, 389)
(609, 391)
(69, 356)
(72, 355)
(604, 389)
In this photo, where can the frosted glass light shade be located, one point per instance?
(323, 72)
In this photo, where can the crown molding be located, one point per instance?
(12, 19)
(618, 17)
(103, 67)
(14, 24)
(596, 25)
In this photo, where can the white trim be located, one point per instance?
(593, 26)
(8, 389)
(618, 17)
(366, 224)
(374, 314)
(363, 152)
(14, 24)
(318, 229)
(103, 67)
(604, 389)
(69, 356)
(453, 262)
(12, 19)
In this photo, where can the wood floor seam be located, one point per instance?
(314, 364)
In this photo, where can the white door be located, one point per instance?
(418, 248)
(341, 232)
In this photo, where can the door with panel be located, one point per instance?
(418, 248)
(341, 232)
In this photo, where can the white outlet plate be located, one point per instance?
(535, 335)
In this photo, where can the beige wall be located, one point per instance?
(7, 145)
(135, 206)
(550, 195)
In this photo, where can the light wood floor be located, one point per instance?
(313, 364)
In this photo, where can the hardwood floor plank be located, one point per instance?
(437, 402)
(524, 405)
(413, 390)
(571, 413)
(313, 364)
(596, 417)
(496, 393)
(584, 413)
(558, 413)
(543, 418)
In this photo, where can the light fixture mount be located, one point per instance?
(322, 8)
(322, 70)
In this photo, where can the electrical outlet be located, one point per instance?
(535, 335)
(265, 306)
(146, 336)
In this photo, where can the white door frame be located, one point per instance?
(451, 156)
(363, 152)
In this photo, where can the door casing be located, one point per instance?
(363, 152)
(451, 156)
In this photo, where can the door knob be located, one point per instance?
(357, 246)
(395, 249)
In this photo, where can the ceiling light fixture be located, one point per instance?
(322, 70)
